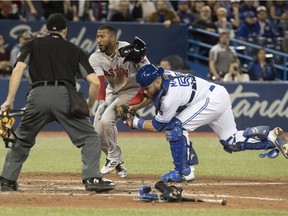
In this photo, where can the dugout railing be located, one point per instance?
(245, 51)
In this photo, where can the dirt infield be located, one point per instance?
(66, 190)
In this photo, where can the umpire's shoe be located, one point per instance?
(8, 185)
(98, 184)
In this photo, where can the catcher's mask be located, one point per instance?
(147, 74)
(134, 52)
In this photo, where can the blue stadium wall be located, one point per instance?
(253, 103)
(160, 41)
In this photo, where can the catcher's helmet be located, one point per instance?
(147, 74)
(134, 52)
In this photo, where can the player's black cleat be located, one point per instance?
(8, 185)
(98, 184)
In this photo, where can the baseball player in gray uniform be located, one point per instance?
(183, 103)
(120, 73)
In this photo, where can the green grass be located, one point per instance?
(149, 155)
(138, 212)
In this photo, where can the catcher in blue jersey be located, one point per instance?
(183, 103)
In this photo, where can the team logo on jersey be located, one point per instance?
(118, 72)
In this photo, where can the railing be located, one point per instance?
(243, 50)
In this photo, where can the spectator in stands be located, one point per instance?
(164, 15)
(82, 11)
(214, 8)
(235, 73)
(248, 29)
(234, 14)
(285, 42)
(279, 15)
(264, 26)
(183, 12)
(32, 10)
(50, 7)
(196, 8)
(5, 64)
(122, 14)
(8, 10)
(172, 62)
(221, 57)
(21, 40)
(100, 9)
(113, 6)
(210, 3)
(205, 22)
(247, 6)
(222, 24)
(142, 10)
(261, 69)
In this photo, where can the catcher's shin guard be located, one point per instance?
(183, 154)
(178, 147)
(256, 138)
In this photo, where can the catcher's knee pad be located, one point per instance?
(178, 144)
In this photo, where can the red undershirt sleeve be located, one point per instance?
(102, 91)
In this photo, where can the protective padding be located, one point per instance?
(259, 132)
(242, 146)
(178, 145)
(192, 156)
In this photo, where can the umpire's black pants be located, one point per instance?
(44, 105)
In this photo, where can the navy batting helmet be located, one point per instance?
(147, 74)
(134, 52)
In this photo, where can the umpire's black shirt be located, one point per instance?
(52, 58)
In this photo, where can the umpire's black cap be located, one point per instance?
(56, 22)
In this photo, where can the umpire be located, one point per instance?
(53, 61)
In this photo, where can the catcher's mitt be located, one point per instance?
(6, 122)
(122, 112)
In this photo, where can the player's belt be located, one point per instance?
(47, 83)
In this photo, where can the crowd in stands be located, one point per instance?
(260, 22)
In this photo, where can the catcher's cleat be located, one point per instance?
(187, 174)
(8, 185)
(109, 166)
(98, 184)
(281, 141)
(121, 170)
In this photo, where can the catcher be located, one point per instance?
(183, 103)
